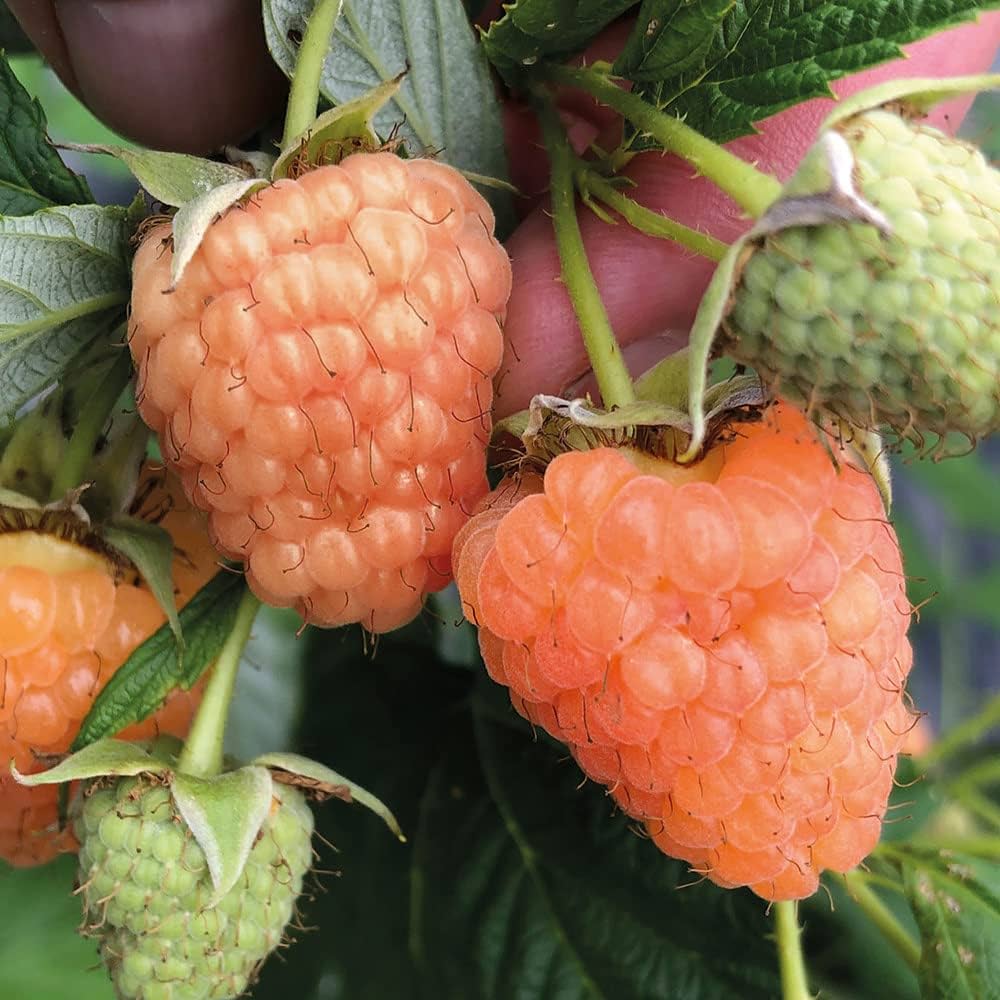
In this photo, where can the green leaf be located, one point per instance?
(768, 55)
(172, 178)
(151, 550)
(534, 30)
(225, 814)
(41, 953)
(956, 901)
(529, 886)
(385, 723)
(446, 105)
(139, 686)
(98, 759)
(64, 280)
(671, 37)
(32, 176)
(34, 361)
(321, 778)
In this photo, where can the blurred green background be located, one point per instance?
(361, 713)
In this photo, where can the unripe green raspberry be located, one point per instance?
(891, 321)
(147, 892)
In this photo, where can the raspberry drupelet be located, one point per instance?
(722, 645)
(321, 380)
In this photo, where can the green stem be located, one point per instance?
(964, 734)
(882, 917)
(304, 94)
(613, 378)
(752, 189)
(645, 220)
(788, 934)
(980, 847)
(89, 427)
(202, 753)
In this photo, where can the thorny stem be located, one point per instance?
(202, 753)
(304, 93)
(89, 427)
(752, 189)
(613, 379)
(794, 983)
(963, 734)
(645, 220)
(882, 917)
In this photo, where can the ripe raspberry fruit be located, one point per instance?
(69, 618)
(723, 644)
(894, 323)
(148, 893)
(321, 380)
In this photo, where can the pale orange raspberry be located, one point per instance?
(723, 646)
(68, 621)
(321, 380)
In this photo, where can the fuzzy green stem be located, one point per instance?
(963, 734)
(788, 935)
(752, 189)
(89, 427)
(645, 220)
(882, 917)
(304, 94)
(613, 378)
(202, 753)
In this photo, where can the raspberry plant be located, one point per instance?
(694, 580)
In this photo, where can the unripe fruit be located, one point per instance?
(68, 621)
(148, 893)
(900, 327)
(321, 380)
(723, 645)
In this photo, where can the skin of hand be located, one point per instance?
(190, 76)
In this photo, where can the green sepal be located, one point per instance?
(666, 381)
(100, 759)
(345, 128)
(918, 94)
(869, 447)
(319, 778)
(711, 311)
(194, 217)
(17, 501)
(172, 178)
(225, 814)
(641, 413)
(151, 550)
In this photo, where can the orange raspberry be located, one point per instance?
(68, 621)
(724, 645)
(321, 380)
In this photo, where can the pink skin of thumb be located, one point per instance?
(651, 287)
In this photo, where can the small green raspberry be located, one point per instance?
(147, 891)
(878, 299)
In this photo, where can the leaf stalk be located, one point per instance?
(613, 378)
(304, 94)
(202, 753)
(752, 189)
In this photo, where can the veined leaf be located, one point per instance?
(534, 30)
(32, 176)
(157, 667)
(956, 901)
(767, 55)
(32, 362)
(557, 899)
(446, 104)
(64, 280)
